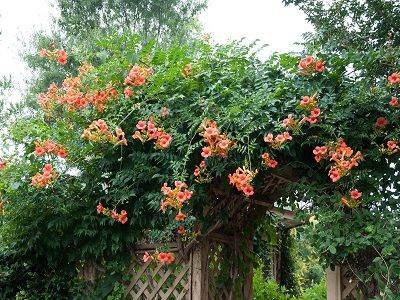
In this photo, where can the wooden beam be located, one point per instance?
(259, 203)
(153, 246)
(285, 213)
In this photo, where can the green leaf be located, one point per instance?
(332, 249)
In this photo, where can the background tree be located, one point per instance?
(355, 27)
(150, 19)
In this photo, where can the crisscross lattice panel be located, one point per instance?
(228, 276)
(155, 281)
(349, 284)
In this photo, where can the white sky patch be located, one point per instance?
(19, 19)
(267, 20)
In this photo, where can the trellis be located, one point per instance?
(222, 276)
(198, 277)
(156, 281)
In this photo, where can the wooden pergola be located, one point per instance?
(216, 267)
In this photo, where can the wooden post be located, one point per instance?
(333, 284)
(199, 272)
(276, 258)
(248, 285)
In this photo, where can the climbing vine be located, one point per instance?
(146, 132)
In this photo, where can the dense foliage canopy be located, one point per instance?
(129, 141)
(151, 19)
(245, 101)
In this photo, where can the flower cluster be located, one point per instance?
(54, 54)
(47, 146)
(148, 131)
(163, 257)
(309, 65)
(392, 147)
(309, 104)
(354, 200)
(176, 198)
(278, 141)
(181, 230)
(344, 161)
(187, 71)
(98, 132)
(242, 179)
(128, 92)
(341, 155)
(289, 122)
(394, 102)
(199, 168)
(268, 161)
(121, 217)
(379, 127)
(47, 100)
(48, 176)
(75, 99)
(3, 164)
(320, 152)
(201, 173)
(100, 99)
(137, 76)
(218, 144)
(394, 79)
(72, 96)
(381, 123)
(84, 68)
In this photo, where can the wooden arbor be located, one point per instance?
(217, 267)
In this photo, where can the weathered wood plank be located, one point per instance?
(333, 283)
(200, 272)
(349, 288)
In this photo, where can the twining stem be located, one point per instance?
(388, 272)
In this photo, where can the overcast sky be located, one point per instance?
(267, 20)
